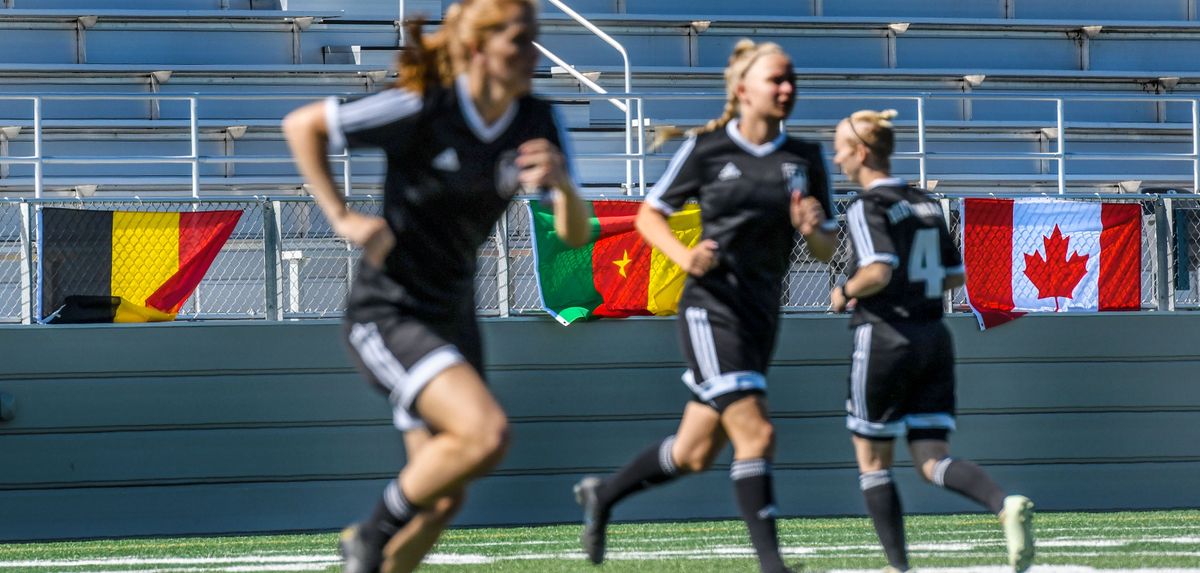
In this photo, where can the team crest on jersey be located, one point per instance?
(796, 178)
(508, 180)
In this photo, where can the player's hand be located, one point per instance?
(701, 258)
(369, 232)
(838, 301)
(806, 213)
(542, 166)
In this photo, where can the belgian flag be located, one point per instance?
(124, 266)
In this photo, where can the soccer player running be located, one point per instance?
(756, 188)
(902, 370)
(462, 135)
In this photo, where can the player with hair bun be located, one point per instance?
(902, 367)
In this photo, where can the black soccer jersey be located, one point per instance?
(903, 226)
(449, 178)
(744, 191)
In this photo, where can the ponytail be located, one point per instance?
(745, 53)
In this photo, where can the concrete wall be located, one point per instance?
(255, 426)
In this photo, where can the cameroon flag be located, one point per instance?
(617, 274)
(124, 266)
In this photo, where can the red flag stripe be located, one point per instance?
(201, 236)
(1120, 256)
(987, 253)
(620, 261)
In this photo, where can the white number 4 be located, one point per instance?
(925, 262)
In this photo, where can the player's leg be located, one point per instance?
(877, 381)
(749, 427)
(930, 421)
(410, 545)
(692, 448)
(882, 499)
(470, 436)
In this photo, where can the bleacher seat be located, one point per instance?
(859, 51)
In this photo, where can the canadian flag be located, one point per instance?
(1045, 255)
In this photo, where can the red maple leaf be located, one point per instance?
(1056, 275)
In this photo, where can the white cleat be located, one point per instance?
(1017, 518)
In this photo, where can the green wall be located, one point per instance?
(256, 426)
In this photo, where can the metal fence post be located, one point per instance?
(1163, 272)
(947, 295)
(272, 260)
(28, 276)
(503, 284)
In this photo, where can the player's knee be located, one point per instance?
(925, 470)
(445, 508)
(484, 446)
(756, 441)
(696, 459)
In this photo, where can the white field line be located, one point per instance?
(993, 536)
(281, 562)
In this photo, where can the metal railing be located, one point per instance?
(635, 146)
(624, 106)
(283, 262)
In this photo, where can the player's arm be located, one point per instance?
(812, 212)
(544, 166)
(656, 230)
(866, 282)
(808, 217)
(956, 274)
(679, 183)
(307, 133)
(875, 252)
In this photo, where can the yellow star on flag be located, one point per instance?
(625, 260)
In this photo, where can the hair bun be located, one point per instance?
(744, 45)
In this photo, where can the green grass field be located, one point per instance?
(1067, 543)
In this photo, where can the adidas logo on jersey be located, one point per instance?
(730, 171)
(446, 160)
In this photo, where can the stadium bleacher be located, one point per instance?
(248, 62)
(870, 50)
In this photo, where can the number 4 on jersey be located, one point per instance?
(925, 262)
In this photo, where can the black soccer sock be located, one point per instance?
(970, 481)
(756, 500)
(391, 514)
(651, 467)
(883, 504)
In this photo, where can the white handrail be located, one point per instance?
(628, 89)
(579, 76)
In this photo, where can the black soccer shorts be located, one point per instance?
(901, 380)
(725, 363)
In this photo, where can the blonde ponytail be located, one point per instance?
(745, 53)
(435, 59)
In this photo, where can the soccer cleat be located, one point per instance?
(358, 556)
(1017, 518)
(595, 519)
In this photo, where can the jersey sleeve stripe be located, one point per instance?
(333, 125)
(864, 246)
(379, 109)
(830, 225)
(668, 177)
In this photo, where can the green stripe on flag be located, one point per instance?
(564, 274)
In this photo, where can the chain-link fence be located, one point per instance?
(283, 260)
